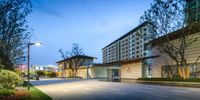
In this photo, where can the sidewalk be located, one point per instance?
(171, 83)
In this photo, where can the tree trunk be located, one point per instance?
(188, 72)
(74, 74)
(184, 73)
(170, 72)
(195, 72)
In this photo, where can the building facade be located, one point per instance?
(129, 46)
(85, 69)
(192, 11)
(163, 66)
(111, 53)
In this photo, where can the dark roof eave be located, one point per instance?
(82, 56)
(176, 34)
(126, 61)
(139, 59)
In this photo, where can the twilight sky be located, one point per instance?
(91, 23)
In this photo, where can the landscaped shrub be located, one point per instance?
(40, 73)
(52, 74)
(9, 80)
(46, 73)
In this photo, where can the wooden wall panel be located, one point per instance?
(131, 70)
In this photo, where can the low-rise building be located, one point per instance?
(84, 69)
(161, 64)
(122, 70)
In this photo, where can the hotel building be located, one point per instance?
(128, 46)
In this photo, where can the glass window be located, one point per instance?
(149, 70)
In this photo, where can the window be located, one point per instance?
(192, 4)
(145, 54)
(193, 68)
(149, 71)
(145, 29)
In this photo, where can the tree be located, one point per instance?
(14, 33)
(166, 16)
(73, 58)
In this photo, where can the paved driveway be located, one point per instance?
(60, 89)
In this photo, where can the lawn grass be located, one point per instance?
(170, 79)
(36, 94)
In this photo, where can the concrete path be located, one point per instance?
(63, 89)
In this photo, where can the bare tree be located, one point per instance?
(14, 33)
(73, 58)
(166, 16)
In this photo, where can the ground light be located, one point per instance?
(29, 45)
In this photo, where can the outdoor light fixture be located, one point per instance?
(37, 44)
(29, 44)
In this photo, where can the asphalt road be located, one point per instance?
(63, 89)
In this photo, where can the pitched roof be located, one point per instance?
(77, 56)
(188, 30)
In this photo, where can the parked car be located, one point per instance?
(35, 77)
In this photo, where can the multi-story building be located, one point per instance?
(127, 47)
(192, 11)
(111, 53)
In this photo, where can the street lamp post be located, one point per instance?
(29, 44)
